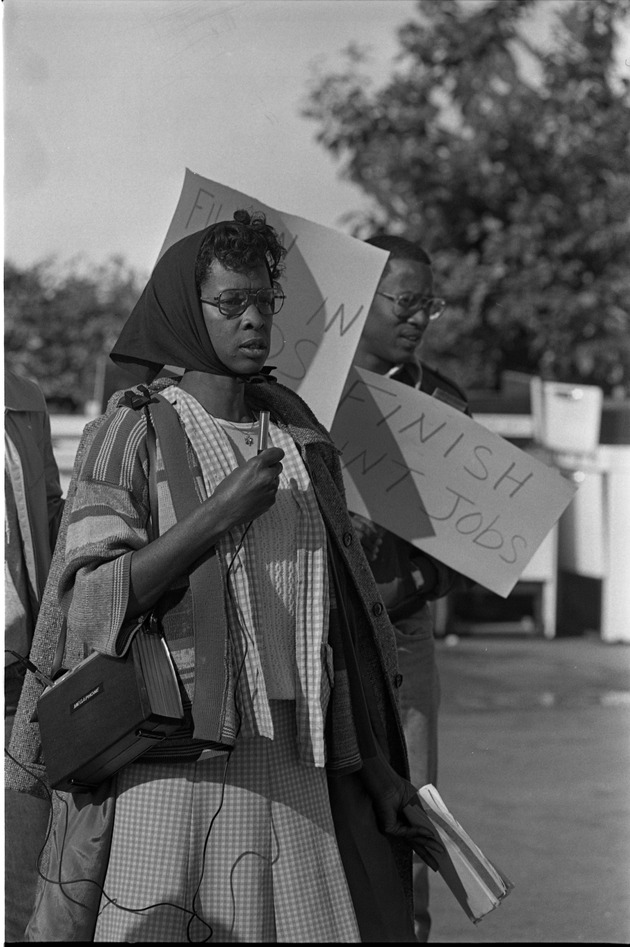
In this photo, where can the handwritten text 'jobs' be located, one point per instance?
(451, 505)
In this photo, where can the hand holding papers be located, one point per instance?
(477, 884)
(427, 472)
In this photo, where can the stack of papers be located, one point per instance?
(477, 884)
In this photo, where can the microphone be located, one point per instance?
(264, 431)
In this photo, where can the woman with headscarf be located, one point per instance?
(276, 815)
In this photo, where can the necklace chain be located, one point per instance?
(248, 434)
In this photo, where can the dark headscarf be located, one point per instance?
(166, 326)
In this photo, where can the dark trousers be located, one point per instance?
(419, 696)
(376, 889)
(25, 828)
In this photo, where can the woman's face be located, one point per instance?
(240, 341)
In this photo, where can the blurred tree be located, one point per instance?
(59, 322)
(511, 164)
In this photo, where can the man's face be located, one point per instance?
(391, 335)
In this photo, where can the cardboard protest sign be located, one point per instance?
(429, 473)
(329, 281)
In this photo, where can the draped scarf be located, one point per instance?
(166, 326)
(313, 674)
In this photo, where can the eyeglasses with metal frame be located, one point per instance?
(410, 303)
(234, 302)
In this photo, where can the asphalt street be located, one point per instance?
(535, 765)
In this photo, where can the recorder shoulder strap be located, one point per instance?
(154, 522)
(206, 581)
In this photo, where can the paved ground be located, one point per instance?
(535, 765)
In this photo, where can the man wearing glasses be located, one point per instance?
(401, 311)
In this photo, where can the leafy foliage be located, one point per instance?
(60, 321)
(519, 187)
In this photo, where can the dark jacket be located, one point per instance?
(39, 503)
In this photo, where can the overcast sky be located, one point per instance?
(108, 101)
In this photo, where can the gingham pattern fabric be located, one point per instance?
(290, 594)
(277, 556)
(278, 551)
(255, 859)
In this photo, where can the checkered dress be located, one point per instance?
(242, 848)
(239, 847)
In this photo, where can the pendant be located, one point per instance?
(249, 440)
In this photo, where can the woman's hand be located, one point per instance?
(246, 493)
(250, 490)
(390, 794)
